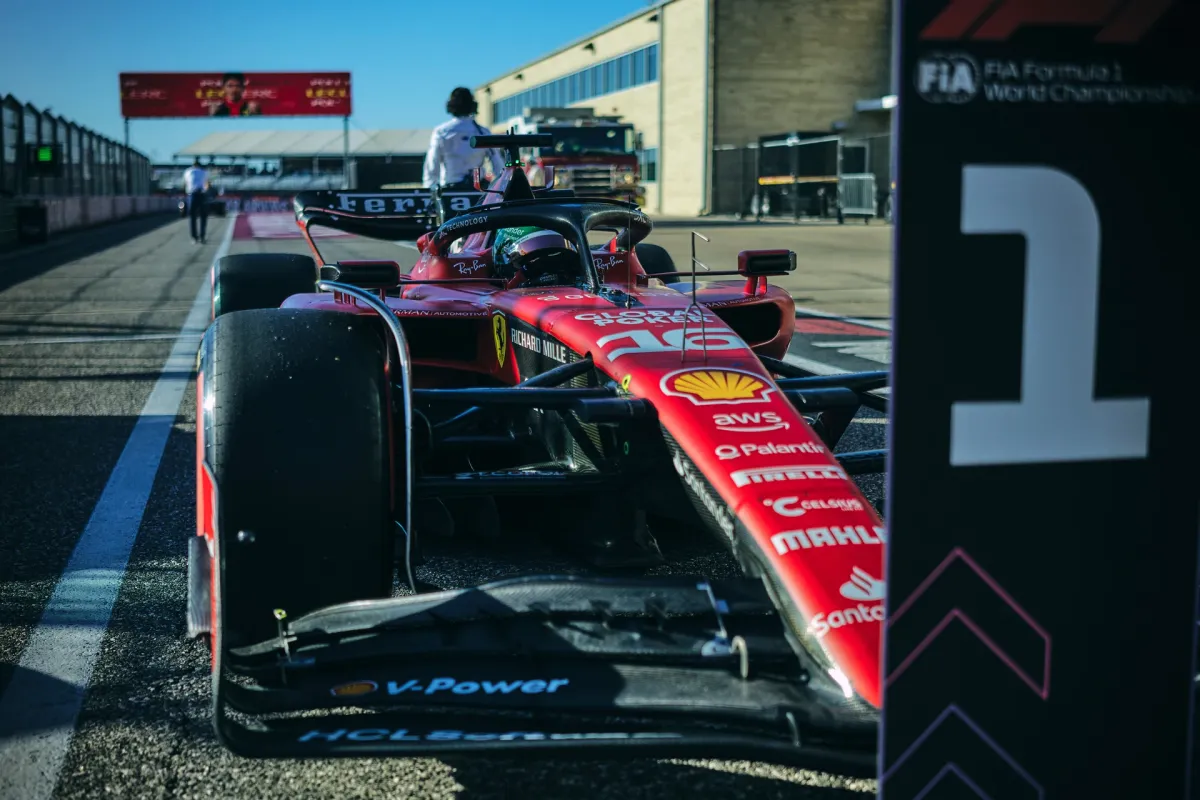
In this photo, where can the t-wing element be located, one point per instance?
(757, 264)
(511, 143)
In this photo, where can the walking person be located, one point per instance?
(195, 184)
(450, 161)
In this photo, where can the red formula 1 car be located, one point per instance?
(541, 378)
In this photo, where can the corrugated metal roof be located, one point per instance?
(298, 144)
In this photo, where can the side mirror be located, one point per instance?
(423, 241)
(364, 274)
(761, 263)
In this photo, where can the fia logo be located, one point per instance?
(950, 78)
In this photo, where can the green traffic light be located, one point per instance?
(45, 154)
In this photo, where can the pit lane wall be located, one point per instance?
(69, 213)
(95, 180)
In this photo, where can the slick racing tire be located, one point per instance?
(656, 260)
(294, 423)
(260, 280)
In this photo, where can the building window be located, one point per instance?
(648, 159)
(613, 75)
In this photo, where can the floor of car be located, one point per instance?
(457, 562)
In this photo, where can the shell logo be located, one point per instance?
(710, 387)
(354, 689)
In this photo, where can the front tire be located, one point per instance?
(261, 280)
(295, 415)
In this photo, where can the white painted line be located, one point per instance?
(42, 701)
(877, 350)
(409, 245)
(870, 323)
(815, 367)
(821, 368)
(140, 337)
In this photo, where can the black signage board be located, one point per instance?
(44, 160)
(1044, 498)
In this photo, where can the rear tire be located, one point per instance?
(295, 411)
(261, 280)
(654, 260)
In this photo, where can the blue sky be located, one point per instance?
(404, 56)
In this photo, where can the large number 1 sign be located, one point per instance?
(1043, 511)
(1057, 417)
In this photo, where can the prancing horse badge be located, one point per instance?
(500, 334)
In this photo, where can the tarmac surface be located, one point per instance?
(88, 326)
(840, 269)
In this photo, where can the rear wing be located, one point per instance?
(394, 216)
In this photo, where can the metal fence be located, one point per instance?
(94, 165)
(862, 176)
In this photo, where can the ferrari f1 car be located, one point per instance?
(543, 377)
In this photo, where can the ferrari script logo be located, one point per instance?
(500, 335)
(706, 387)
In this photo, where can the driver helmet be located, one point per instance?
(521, 250)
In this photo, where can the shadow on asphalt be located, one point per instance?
(592, 780)
(42, 327)
(714, 222)
(730, 222)
(52, 472)
(56, 711)
(17, 266)
(107, 377)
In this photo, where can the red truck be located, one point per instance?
(594, 155)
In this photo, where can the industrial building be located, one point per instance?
(698, 77)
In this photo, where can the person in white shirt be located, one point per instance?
(451, 159)
(195, 184)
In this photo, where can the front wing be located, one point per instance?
(662, 667)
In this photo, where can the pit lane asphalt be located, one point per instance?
(86, 325)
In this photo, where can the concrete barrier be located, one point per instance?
(8, 223)
(70, 213)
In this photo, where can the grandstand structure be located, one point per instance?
(292, 161)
